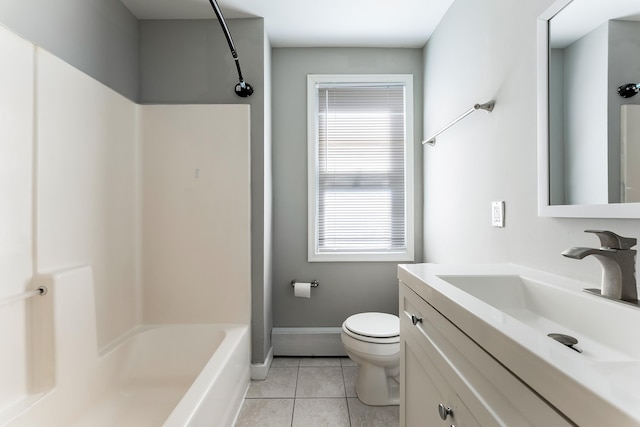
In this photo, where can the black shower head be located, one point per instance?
(629, 90)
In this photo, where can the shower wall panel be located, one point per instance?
(87, 187)
(196, 213)
(16, 208)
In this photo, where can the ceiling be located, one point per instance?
(306, 23)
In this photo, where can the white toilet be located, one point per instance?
(372, 340)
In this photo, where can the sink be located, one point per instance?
(606, 330)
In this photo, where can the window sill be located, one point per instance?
(361, 257)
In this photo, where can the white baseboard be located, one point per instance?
(259, 371)
(307, 342)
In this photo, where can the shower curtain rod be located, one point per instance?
(243, 88)
(487, 106)
(42, 290)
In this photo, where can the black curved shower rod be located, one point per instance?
(243, 88)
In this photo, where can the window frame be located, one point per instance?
(312, 157)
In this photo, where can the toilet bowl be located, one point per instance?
(372, 340)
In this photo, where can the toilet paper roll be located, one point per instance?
(302, 290)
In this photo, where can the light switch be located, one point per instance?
(497, 214)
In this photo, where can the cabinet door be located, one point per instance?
(424, 389)
(419, 406)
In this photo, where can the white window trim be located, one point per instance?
(313, 254)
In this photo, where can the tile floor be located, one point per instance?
(310, 392)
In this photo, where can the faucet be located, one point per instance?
(618, 262)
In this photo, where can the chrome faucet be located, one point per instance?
(618, 264)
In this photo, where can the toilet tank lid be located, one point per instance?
(377, 325)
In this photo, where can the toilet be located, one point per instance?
(372, 340)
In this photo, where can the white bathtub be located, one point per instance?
(174, 376)
(164, 375)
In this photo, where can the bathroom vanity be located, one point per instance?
(475, 350)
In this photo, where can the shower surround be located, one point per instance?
(155, 199)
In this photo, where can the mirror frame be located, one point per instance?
(613, 210)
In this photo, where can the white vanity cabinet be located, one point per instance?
(448, 380)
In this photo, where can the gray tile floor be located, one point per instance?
(310, 392)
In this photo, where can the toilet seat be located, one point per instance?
(380, 328)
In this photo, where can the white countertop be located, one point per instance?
(588, 391)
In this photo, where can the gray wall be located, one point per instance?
(188, 61)
(99, 37)
(262, 313)
(493, 156)
(345, 288)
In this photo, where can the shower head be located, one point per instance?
(243, 88)
(629, 90)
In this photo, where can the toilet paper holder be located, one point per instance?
(314, 284)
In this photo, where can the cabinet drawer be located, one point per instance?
(487, 389)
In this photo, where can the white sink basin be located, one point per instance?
(604, 329)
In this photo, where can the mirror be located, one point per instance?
(589, 135)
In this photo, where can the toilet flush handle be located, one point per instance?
(415, 319)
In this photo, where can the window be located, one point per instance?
(360, 150)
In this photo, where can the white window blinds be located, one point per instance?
(360, 177)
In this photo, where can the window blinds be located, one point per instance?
(361, 203)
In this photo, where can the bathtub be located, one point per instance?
(164, 375)
(173, 376)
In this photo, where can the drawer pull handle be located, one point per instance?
(444, 411)
(415, 319)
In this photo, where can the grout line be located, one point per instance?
(320, 397)
(269, 398)
(344, 381)
(295, 393)
(346, 398)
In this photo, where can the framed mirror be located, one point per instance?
(588, 134)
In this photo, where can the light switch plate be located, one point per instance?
(497, 214)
